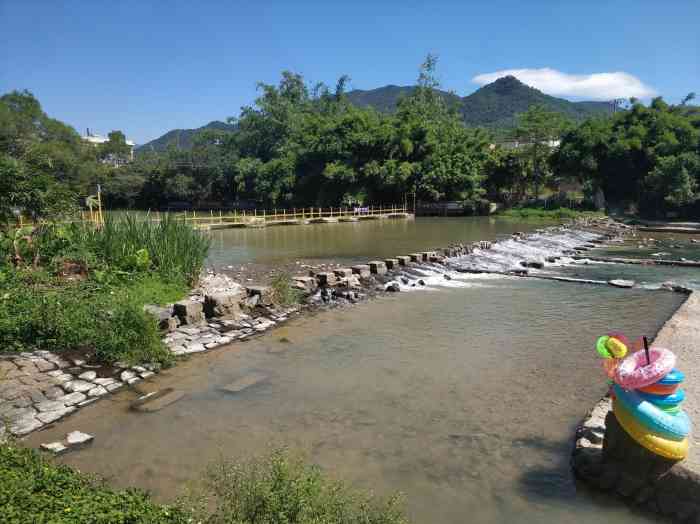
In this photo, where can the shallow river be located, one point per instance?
(464, 398)
(352, 241)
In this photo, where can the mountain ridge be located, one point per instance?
(494, 106)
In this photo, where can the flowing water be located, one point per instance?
(463, 395)
(353, 241)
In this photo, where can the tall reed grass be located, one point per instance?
(170, 247)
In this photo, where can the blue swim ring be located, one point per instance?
(672, 377)
(673, 426)
(664, 401)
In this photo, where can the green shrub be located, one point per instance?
(282, 489)
(35, 490)
(283, 293)
(105, 320)
(170, 247)
(562, 213)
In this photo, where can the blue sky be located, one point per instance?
(146, 67)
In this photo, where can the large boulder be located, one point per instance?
(189, 311)
(265, 294)
(225, 304)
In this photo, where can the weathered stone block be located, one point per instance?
(404, 260)
(78, 438)
(377, 267)
(189, 311)
(226, 304)
(343, 272)
(416, 257)
(361, 270)
(265, 294)
(391, 263)
(307, 284)
(326, 279)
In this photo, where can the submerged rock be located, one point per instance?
(619, 282)
(78, 438)
(245, 382)
(393, 287)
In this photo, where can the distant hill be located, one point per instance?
(181, 138)
(384, 99)
(494, 105)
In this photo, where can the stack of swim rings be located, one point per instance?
(646, 395)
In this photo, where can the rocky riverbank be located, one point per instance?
(40, 388)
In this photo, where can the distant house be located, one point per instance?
(515, 144)
(113, 160)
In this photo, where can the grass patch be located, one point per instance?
(277, 488)
(282, 488)
(283, 291)
(538, 213)
(80, 288)
(34, 489)
(104, 321)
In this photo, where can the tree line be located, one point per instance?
(301, 145)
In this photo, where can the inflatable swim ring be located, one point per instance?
(634, 372)
(670, 409)
(663, 424)
(616, 348)
(601, 348)
(660, 389)
(610, 366)
(668, 401)
(673, 377)
(670, 449)
(619, 336)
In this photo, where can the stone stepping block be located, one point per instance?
(245, 382)
(76, 439)
(362, 270)
(156, 400)
(343, 272)
(377, 267)
(416, 257)
(57, 448)
(391, 263)
(404, 260)
(326, 278)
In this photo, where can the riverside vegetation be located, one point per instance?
(276, 488)
(75, 287)
(310, 146)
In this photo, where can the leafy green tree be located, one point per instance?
(643, 155)
(538, 131)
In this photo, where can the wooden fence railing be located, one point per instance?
(283, 215)
(261, 216)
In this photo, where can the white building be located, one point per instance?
(96, 140)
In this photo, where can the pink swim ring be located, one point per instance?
(634, 372)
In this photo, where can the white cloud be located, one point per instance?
(596, 86)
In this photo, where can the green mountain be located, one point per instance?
(494, 105)
(181, 138)
(384, 99)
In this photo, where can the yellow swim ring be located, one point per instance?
(670, 449)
